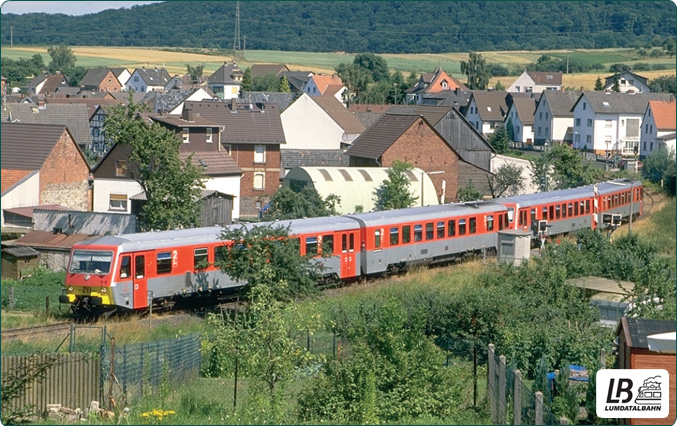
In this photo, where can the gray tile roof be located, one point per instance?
(27, 146)
(314, 158)
(491, 106)
(637, 330)
(560, 102)
(282, 99)
(75, 117)
(525, 109)
(154, 77)
(226, 74)
(265, 69)
(247, 124)
(296, 79)
(609, 80)
(381, 135)
(94, 77)
(166, 101)
(546, 78)
(622, 103)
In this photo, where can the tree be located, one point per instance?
(284, 85)
(616, 86)
(562, 167)
(507, 180)
(393, 193)
(195, 72)
(290, 204)
(172, 187)
(63, 58)
(657, 164)
(75, 75)
(469, 193)
(499, 86)
(265, 83)
(664, 84)
(476, 70)
(598, 84)
(355, 78)
(247, 80)
(375, 64)
(500, 140)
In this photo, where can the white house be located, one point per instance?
(146, 80)
(536, 82)
(325, 85)
(520, 117)
(122, 75)
(610, 122)
(486, 110)
(553, 118)
(658, 127)
(226, 81)
(628, 82)
(25, 192)
(319, 123)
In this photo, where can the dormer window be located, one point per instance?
(444, 85)
(489, 109)
(186, 135)
(209, 136)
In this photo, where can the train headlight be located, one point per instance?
(70, 289)
(103, 289)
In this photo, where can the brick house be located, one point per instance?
(634, 352)
(411, 139)
(42, 164)
(252, 136)
(100, 80)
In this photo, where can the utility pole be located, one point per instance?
(236, 40)
(244, 46)
(11, 36)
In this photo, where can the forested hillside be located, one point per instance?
(351, 26)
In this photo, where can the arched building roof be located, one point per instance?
(356, 185)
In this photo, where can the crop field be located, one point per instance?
(175, 60)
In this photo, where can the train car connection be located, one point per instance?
(133, 271)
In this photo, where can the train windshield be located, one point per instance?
(91, 262)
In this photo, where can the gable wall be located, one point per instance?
(110, 83)
(307, 126)
(422, 147)
(63, 176)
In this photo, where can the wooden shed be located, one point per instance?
(634, 353)
(17, 262)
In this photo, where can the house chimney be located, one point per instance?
(187, 114)
(233, 104)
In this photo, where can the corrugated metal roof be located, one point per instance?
(356, 185)
(21, 251)
(50, 240)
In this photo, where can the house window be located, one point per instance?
(646, 128)
(260, 154)
(539, 131)
(517, 129)
(578, 121)
(607, 140)
(540, 116)
(588, 139)
(117, 202)
(120, 167)
(259, 181)
(136, 79)
(546, 116)
(547, 131)
(517, 88)
(186, 135)
(584, 105)
(607, 124)
(209, 137)
(589, 122)
(489, 108)
(95, 132)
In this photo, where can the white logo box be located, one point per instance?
(637, 393)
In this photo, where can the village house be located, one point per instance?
(252, 136)
(172, 101)
(145, 80)
(520, 118)
(297, 80)
(553, 118)
(260, 70)
(536, 82)
(432, 83)
(226, 81)
(47, 83)
(658, 127)
(325, 85)
(486, 110)
(628, 82)
(100, 80)
(42, 165)
(609, 122)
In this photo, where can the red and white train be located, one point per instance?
(131, 271)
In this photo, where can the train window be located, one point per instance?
(140, 267)
(200, 258)
(429, 231)
(377, 238)
(328, 244)
(406, 234)
(505, 219)
(394, 236)
(418, 232)
(295, 243)
(164, 262)
(557, 211)
(500, 222)
(126, 266)
(622, 198)
(533, 216)
(490, 223)
(451, 228)
(351, 244)
(587, 207)
(564, 210)
(311, 246)
(551, 212)
(440, 229)
(511, 214)
(576, 209)
(544, 213)
(570, 209)
(461, 227)
(220, 253)
(473, 225)
(344, 243)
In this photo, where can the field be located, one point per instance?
(175, 60)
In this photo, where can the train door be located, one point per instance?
(141, 271)
(348, 258)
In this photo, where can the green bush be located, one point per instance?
(30, 293)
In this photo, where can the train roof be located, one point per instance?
(569, 194)
(389, 217)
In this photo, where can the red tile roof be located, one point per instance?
(10, 177)
(323, 82)
(664, 114)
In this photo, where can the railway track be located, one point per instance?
(16, 333)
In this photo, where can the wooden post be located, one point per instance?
(111, 375)
(492, 383)
(602, 358)
(474, 374)
(11, 297)
(517, 398)
(46, 306)
(501, 390)
(539, 408)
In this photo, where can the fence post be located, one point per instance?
(602, 358)
(46, 306)
(11, 297)
(539, 408)
(124, 369)
(71, 347)
(501, 390)
(333, 342)
(492, 384)
(474, 373)
(517, 398)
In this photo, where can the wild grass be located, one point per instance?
(659, 227)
